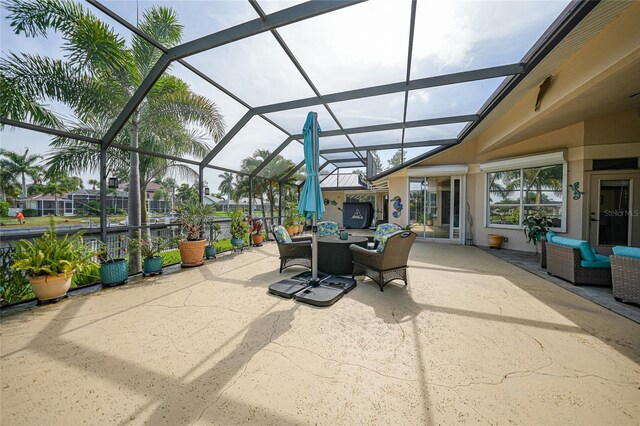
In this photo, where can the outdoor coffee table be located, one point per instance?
(334, 256)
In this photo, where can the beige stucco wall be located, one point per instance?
(332, 212)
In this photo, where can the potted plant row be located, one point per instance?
(51, 263)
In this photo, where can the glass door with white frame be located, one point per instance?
(435, 207)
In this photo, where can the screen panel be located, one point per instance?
(361, 45)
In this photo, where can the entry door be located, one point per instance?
(614, 211)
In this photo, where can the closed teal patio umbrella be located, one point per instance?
(311, 204)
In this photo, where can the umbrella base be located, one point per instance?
(325, 292)
(287, 288)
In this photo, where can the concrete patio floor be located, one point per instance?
(472, 339)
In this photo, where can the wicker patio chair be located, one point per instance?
(564, 262)
(388, 265)
(293, 251)
(625, 274)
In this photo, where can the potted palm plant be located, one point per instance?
(50, 263)
(214, 233)
(256, 231)
(150, 249)
(239, 228)
(192, 217)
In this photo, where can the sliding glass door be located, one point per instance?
(435, 207)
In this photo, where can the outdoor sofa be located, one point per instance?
(625, 274)
(576, 261)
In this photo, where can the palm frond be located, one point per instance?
(90, 43)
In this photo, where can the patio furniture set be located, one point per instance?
(383, 257)
(579, 263)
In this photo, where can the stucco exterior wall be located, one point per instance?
(332, 212)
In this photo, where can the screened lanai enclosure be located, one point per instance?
(200, 85)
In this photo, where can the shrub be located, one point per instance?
(90, 208)
(88, 276)
(30, 212)
(15, 285)
(4, 209)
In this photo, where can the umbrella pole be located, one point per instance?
(314, 228)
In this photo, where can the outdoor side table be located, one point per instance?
(334, 256)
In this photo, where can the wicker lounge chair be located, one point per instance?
(625, 274)
(386, 264)
(565, 262)
(293, 251)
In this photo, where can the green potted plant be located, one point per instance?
(50, 263)
(150, 250)
(301, 221)
(192, 217)
(429, 219)
(114, 270)
(214, 233)
(290, 219)
(536, 227)
(256, 232)
(239, 228)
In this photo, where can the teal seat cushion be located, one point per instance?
(601, 261)
(586, 253)
(282, 236)
(327, 228)
(550, 236)
(627, 251)
(383, 232)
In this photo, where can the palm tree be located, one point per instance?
(94, 183)
(170, 185)
(96, 79)
(9, 186)
(226, 186)
(21, 165)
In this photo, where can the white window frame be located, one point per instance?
(542, 160)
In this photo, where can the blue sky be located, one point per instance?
(355, 47)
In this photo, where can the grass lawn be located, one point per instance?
(59, 220)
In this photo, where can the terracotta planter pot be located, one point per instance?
(300, 228)
(291, 230)
(495, 240)
(257, 239)
(50, 287)
(192, 252)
